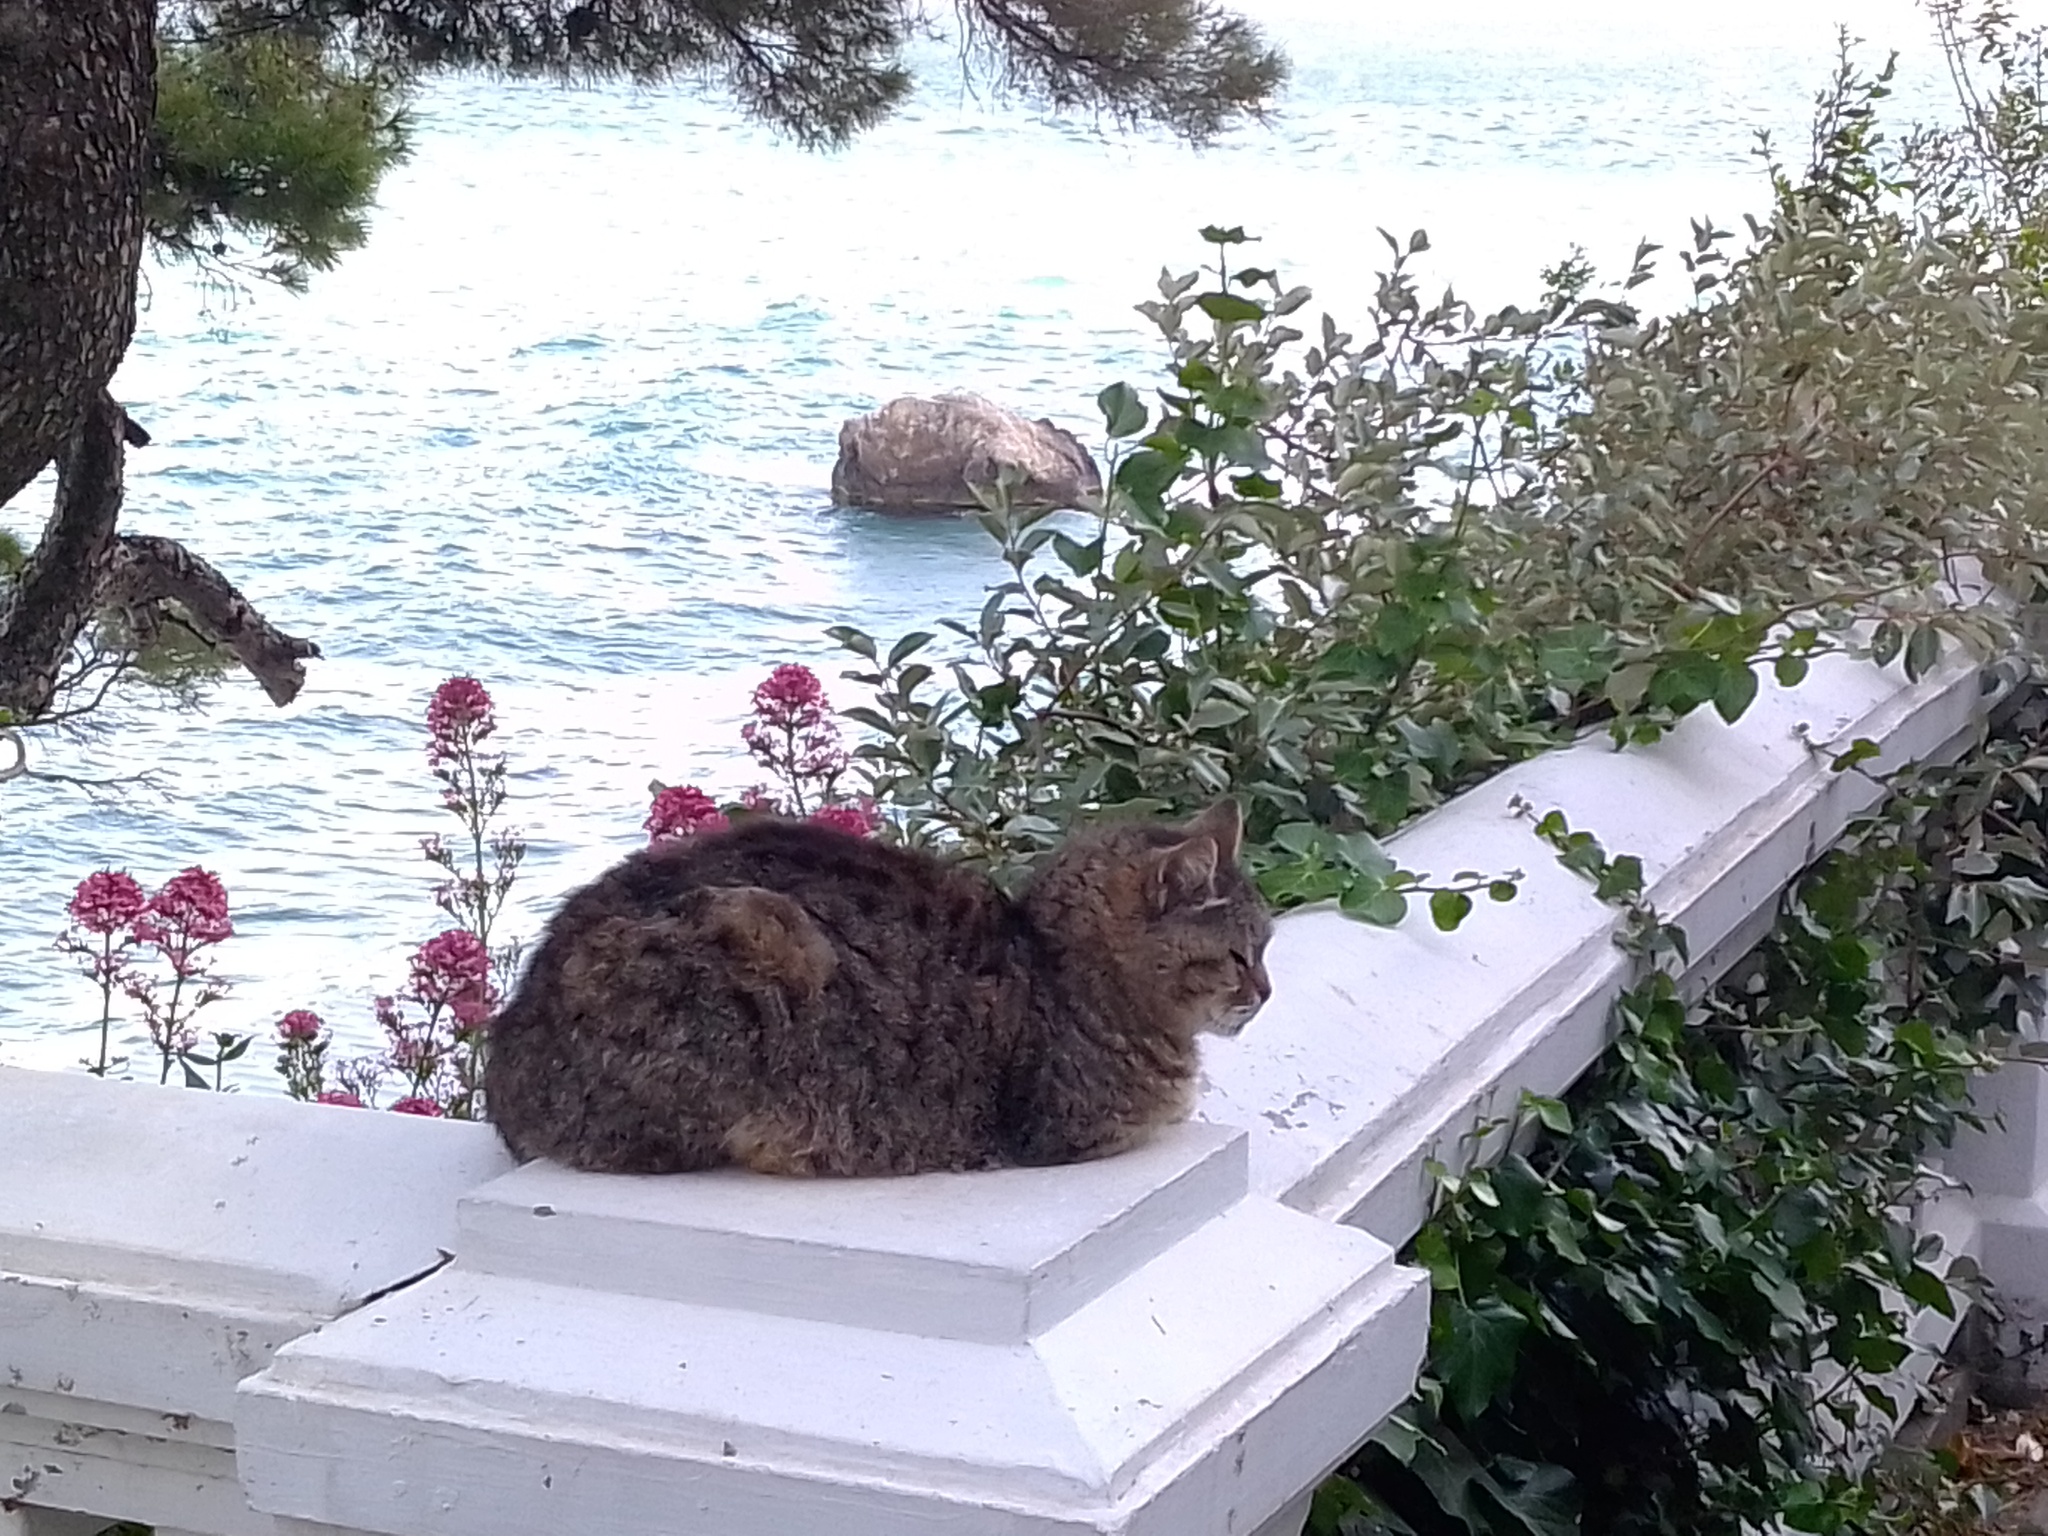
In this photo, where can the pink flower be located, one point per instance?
(791, 697)
(340, 1096)
(682, 811)
(472, 1009)
(106, 901)
(299, 1024)
(453, 970)
(455, 955)
(189, 913)
(417, 1106)
(760, 798)
(858, 817)
(792, 734)
(458, 716)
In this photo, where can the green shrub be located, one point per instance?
(1346, 575)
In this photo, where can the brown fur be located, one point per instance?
(801, 1001)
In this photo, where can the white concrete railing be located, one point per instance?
(230, 1315)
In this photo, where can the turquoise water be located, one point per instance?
(566, 423)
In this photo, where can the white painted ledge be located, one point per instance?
(157, 1245)
(1127, 1346)
(1381, 1049)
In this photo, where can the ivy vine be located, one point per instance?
(1677, 1301)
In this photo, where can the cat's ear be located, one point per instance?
(1222, 824)
(1183, 875)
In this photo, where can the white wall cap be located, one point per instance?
(156, 1245)
(996, 1255)
(1380, 1048)
(250, 1201)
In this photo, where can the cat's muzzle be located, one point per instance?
(1234, 1020)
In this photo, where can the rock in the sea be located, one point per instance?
(916, 455)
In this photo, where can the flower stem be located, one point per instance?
(169, 1045)
(106, 999)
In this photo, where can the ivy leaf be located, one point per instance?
(1434, 1254)
(1930, 1290)
(1552, 1113)
(1477, 1350)
(1563, 1233)
(1620, 880)
(1378, 904)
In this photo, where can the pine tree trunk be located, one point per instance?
(77, 94)
(55, 598)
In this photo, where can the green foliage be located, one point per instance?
(272, 140)
(821, 71)
(1346, 579)
(1670, 1303)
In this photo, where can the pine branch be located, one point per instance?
(820, 70)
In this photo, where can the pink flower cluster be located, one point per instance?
(859, 817)
(792, 733)
(189, 914)
(111, 919)
(107, 901)
(300, 1024)
(453, 971)
(794, 736)
(682, 811)
(458, 717)
(432, 1031)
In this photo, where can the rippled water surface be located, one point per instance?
(566, 422)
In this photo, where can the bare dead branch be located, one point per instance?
(147, 569)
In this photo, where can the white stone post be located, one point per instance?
(1129, 1346)
(2005, 1169)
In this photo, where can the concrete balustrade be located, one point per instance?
(230, 1315)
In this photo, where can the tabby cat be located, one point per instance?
(801, 1000)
